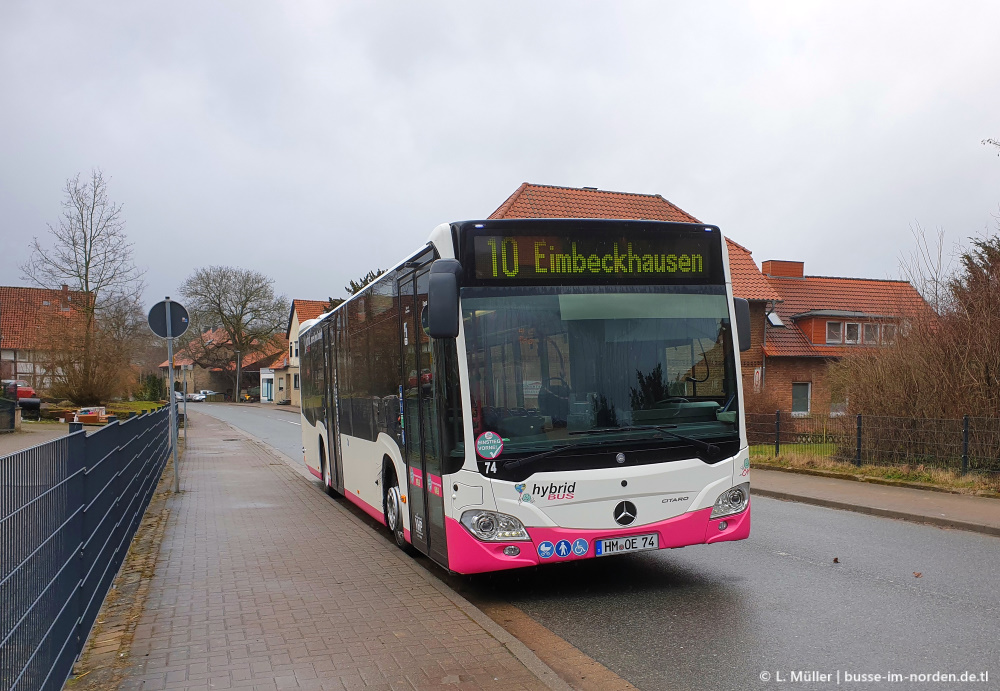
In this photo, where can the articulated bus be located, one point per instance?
(524, 392)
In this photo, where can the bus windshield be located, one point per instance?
(554, 365)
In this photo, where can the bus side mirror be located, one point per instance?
(742, 309)
(442, 299)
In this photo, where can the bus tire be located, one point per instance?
(393, 508)
(323, 467)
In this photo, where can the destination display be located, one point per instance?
(537, 258)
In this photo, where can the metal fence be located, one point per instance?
(7, 415)
(963, 445)
(69, 510)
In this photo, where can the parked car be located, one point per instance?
(196, 397)
(23, 389)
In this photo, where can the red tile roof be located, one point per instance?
(306, 310)
(309, 309)
(875, 299)
(23, 312)
(278, 345)
(280, 363)
(548, 201)
(748, 282)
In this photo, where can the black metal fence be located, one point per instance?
(69, 510)
(963, 445)
(6, 415)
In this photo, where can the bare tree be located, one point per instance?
(929, 267)
(90, 252)
(239, 302)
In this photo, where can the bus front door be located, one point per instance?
(422, 444)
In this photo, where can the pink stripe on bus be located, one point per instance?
(315, 472)
(366, 507)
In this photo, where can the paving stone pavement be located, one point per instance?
(263, 582)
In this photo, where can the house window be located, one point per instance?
(296, 350)
(888, 333)
(871, 334)
(291, 350)
(295, 382)
(800, 398)
(852, 333)
(834, 332)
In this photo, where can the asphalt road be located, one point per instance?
(277, 427)
(717, 617)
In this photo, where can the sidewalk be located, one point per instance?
(264, 582)
(965, 512)
(31, 434)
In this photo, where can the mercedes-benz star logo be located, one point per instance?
(625, 513)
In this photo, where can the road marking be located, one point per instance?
(293, 423)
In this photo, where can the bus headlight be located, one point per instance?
(491, 526)
(733, 500)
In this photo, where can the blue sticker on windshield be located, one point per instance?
(545, 549)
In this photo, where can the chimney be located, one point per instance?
(783, 269)
(65, 296)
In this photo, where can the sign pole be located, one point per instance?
(161, 322)
(173, 398)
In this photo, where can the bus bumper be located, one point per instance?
(468, 555)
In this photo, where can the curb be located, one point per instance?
(874, 511)
(545, 674)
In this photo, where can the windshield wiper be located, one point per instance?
(705, 446)
(511, 465)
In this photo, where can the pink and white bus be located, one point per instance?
(523, 392)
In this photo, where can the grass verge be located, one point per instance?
(919, 476)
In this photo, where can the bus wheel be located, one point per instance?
(394, 512)
(323, 467)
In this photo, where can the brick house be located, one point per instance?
(24, 316)
(220, 378)
(799, 323)
(285, 371)
(819, 319)
(547, 201)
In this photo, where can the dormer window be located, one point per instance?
(835, 332)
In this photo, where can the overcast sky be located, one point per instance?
(316, 140)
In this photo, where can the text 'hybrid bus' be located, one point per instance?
(522, 392)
